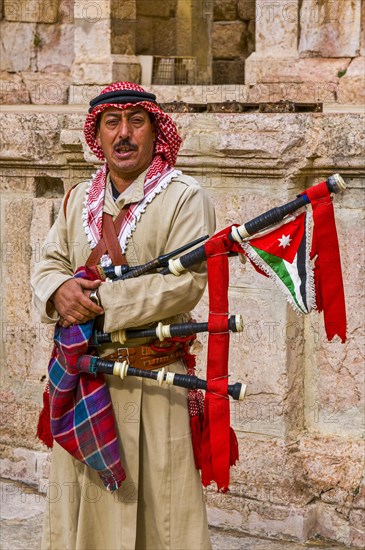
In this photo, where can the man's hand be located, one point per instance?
(72, 302)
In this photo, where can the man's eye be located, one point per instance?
(137, 120)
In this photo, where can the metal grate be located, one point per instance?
(174, 70)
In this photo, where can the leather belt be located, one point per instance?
(144, 357)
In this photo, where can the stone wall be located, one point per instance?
(299, 50)
(310, 50)
(233, 39)
(37, 51)
(301, 424)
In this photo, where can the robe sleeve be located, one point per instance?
(154, 297)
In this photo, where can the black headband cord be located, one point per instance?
(122, 96)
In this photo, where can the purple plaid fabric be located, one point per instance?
(82, 418)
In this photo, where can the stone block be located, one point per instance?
(22, 137)
(125, 10)
(261, 519)
(157, 8)
(92, 12)
(292, 69)
(17, 50)
(330, 29)
(164, 36)
(251, 39)
(225, 10)
(31, 11)
(332, 525)
(55, 52)
(83, 93)
(66, 12)
(277, 28)
(229, 72)
(126, 71)
(12, 89)
(25, 465)
(47, 88)
(246, 10)
(229, 40)
(144, 31)
(357, 528)
(123, 37)
(351, 88)
(93, 74)
(330, 463)
(86, 35)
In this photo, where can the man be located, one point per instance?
(160, 503)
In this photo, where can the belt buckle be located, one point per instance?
(123, 354)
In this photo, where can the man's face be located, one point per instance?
(127, 139)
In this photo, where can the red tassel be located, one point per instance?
(44, 422)
(234, 452)
(196, 438)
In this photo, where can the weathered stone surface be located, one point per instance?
(246, 10)
(22, 137)
(288, 69)
(251, 40)
(325, 463)
(144, 44)
(357, 528)
(225, 10)
(24, 465)
(31, 11)
(123, 37)
(47, 88)
(158, 8)
(330, 29)
(126, 71)
(362, 30)
(86, 35)
(66, 12)
(90, 74)
(332, 524)
(55, 52)
(124, 10)
(13, 89)
(277, 28)
(17, 51)
(164, 37)
(92, 12)
(351, 88)
(229, 40)
(293, 480)
(263, 520)
(229, 72)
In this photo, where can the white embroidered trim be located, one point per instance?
(130, 227)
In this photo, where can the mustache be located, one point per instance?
(125, 143)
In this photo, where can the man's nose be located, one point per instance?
(124, 129)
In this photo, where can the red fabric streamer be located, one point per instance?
(327, 268)
(219, 447)
(44, 422)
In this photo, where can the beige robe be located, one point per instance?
(160, 504)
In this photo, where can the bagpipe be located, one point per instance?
(278, 246)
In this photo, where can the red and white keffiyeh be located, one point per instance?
(159, 175)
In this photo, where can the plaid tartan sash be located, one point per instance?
(81, 413)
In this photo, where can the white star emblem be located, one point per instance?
(284, 241)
